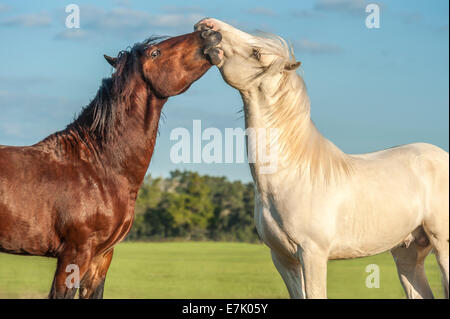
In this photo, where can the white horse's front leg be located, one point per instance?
(314, 266)
(291, 272)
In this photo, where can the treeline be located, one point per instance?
(189, 206)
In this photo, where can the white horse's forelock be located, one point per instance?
(274, 45)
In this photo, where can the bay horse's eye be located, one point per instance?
(256, 54)
(155, 53)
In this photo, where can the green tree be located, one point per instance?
(190, 206)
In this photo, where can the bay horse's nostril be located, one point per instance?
(212, 37)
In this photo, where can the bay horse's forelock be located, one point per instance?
(72, 195)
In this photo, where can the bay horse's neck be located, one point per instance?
(133, 141)
(303, 152)
(126, 149)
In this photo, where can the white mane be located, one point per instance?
(300, 144)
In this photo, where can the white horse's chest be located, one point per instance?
(271, 226)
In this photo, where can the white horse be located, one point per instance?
(322, 204)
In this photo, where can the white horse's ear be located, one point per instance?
(292, 66)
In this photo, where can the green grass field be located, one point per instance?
(204, 270)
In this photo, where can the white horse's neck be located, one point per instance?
(302, 151)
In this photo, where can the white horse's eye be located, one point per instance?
(256, 54)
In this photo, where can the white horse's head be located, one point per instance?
(248, 59)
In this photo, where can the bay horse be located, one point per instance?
(320, 203)
(72, 195)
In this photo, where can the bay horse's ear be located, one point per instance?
(112, 61)
(292, 66)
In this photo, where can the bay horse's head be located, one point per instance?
(150, 72)
(171, 66)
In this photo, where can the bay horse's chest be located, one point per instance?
(123, 217)
(101, 215)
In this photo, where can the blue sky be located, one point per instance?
(370, 88)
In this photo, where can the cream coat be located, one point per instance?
(321, 203)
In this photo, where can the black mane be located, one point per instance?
(99, 117)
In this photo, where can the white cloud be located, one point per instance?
(122, 21)
(411, 17)
(123, 3)
(23, 82)
(72, 34)
(4, 7)
(42, 19)
(22, 109)
(182, 9)
(344, 6)
(316, 48)
(11, 129)
(261, 11)
(304, 14)
(127, 18)
(129, 23)
(176, 20)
